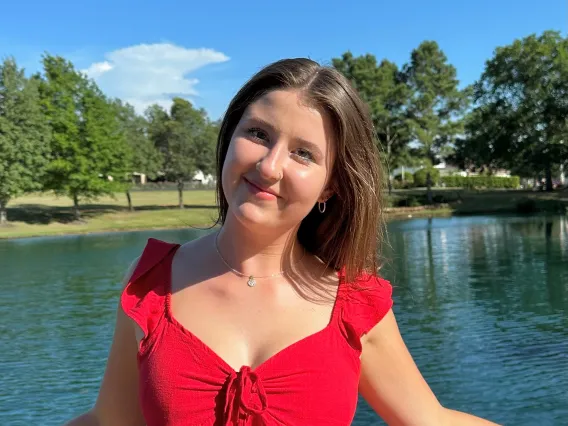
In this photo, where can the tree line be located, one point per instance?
(59, 132)
(515, 116)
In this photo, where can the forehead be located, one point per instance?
(288, 113)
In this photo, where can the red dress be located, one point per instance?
(183, 382)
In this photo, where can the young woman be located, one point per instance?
(279, 317)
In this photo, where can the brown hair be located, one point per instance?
(348, 235)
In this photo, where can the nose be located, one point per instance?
(271, 166)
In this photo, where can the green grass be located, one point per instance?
(46, 214)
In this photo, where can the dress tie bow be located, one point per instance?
(245, 397)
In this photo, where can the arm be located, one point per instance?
(393, 386)
(117, 401)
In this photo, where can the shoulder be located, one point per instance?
(193, 262)
(365, 302)
(153, 254)
(144, 287)
(367, 287)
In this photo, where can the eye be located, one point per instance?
(305, 155)
(257, 134)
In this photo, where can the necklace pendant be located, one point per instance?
(251, 281)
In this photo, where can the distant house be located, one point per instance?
(200, 177)
(449, 170)
(139, 178)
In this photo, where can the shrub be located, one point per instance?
(402, 185)
(473, 182)
(408, 177)
(420, 176)
(410, 201)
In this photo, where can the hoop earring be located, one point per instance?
(320, 208)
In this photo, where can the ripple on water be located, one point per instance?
(482, 304)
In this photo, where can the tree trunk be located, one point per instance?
(76, 210)
(130, 207)
(180, 193)
(548, 174)
(429, 186)
(3, 213)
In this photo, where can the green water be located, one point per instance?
(482, 303)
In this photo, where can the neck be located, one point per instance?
(258, 253)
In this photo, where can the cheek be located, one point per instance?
(236, 163)
(228, 172)
(307, 186)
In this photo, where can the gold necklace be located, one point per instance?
(251, 282)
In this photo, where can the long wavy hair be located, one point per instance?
(349, 234)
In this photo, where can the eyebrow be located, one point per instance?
(316, 149)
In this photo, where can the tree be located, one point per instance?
(436, 104)
(87, 147)
(474, 151)
(24, 135)
(205, 147)
(384, 90)
(184, 138)
(521, 106)
(141, 156)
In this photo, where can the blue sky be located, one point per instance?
(146, 51)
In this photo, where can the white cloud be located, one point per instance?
(97, 69)
(151, 73)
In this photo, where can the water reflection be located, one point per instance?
(482, 303)
(488, 297)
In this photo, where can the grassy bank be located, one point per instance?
(46, 214)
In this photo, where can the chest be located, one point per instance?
(247, 326)
(314, 381)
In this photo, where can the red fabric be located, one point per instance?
(183, 382)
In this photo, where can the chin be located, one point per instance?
(256, 216)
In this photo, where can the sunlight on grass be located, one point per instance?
(47, 214)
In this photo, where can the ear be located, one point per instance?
(325, 195)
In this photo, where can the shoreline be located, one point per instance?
(398, 213)
(47, 215)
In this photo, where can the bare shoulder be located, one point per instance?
(188, 252)
(192, 262)
(197, 249)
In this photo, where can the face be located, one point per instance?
(279, 161)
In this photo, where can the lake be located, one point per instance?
(482, 304)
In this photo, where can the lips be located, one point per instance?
(260, 188)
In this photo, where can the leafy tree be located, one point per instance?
(185, 139)
(205, 148)
(383, 88)
(141, 154)
(436, 104)
(24, 135)
(87, 147)
(520, 118)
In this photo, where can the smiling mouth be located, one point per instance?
(258, 190)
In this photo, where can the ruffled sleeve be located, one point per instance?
(143, 299)
(364, 304)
